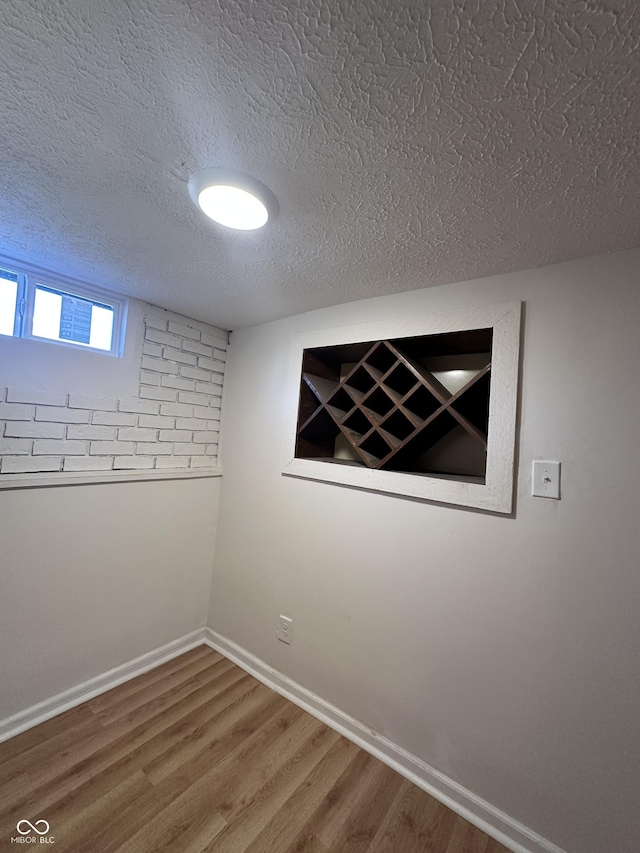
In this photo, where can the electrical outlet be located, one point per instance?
(285, 629)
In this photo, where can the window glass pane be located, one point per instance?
(46, 314)
(61, 316)
(101, 327)
(8, 299)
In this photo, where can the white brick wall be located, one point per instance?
(173, 423)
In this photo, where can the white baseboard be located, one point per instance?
(24, 720)
(514, 835)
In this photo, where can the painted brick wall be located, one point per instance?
(173, 423)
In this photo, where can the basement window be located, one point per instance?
(55, 310)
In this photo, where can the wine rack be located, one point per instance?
(382, 402)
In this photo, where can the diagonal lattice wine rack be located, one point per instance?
(388, 406)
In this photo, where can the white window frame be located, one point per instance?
(29, 277)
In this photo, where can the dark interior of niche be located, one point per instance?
(418, 405)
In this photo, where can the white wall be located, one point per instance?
(502, 651)
(93, 576)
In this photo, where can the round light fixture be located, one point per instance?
(233, 199)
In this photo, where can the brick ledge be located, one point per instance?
(62, 478)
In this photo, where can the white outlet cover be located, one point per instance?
(545, 479)
(284, 630)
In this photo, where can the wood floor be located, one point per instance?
(196, 755)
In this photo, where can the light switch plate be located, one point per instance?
(545, 479)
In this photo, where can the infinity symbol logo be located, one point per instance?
(33, 827)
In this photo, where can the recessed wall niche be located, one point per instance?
(418, 405)
(423, 407)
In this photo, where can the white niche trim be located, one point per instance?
(496, 493)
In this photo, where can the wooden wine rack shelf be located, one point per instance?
(389, 408)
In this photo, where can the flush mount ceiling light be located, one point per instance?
(233, 199)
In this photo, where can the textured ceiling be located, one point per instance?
(409, 143)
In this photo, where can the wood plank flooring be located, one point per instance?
(196, 756)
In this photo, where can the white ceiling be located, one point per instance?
(409, 143)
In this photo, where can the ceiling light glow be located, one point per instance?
(233, 207)
(233, 199)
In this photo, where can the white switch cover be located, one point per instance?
(284, 630)
(546, 479)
